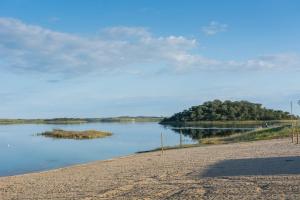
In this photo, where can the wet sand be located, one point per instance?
(252, 170)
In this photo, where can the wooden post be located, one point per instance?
(180, 142)
(161, 142)
(295, 132)
(292, 133)
(292, 122)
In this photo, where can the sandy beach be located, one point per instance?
(252, 170)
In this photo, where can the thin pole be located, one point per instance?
(297, 132)
(292, 121)
(297, 137)
(161, 142)
(180, 138)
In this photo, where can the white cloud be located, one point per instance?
(214, 28)
(30, 48)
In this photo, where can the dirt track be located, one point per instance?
(254, 170)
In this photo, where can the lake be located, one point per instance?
(22, 151)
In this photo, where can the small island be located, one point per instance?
(228, 112)
(88, 134)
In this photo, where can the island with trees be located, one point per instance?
(227, 111)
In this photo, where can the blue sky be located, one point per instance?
(139, 57)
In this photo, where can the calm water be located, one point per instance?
(21, 151)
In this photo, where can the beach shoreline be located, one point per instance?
(262, 169)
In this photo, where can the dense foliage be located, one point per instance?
(228, 111)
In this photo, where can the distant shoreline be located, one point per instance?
(128, 119)
(231, 122)
(124, 119)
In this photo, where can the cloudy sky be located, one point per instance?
(139, 57)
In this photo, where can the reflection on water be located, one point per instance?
(198, 133)
(22, 151)
(206, 130)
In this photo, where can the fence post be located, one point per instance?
(292, 121)
(180, 138)
(292, 133)
(161, 142)
(295, 132)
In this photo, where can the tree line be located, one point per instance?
(228, 111)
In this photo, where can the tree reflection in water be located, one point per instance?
(198, 133)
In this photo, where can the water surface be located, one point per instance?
(22, 151)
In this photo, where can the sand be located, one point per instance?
(252, 170)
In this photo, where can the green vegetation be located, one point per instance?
(89, 134)
(124, 119)
(228, 111)
(257, 134)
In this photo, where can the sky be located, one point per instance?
(102, 58)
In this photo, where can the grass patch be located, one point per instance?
(254, 135)
(257, 134)
(88, 134)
